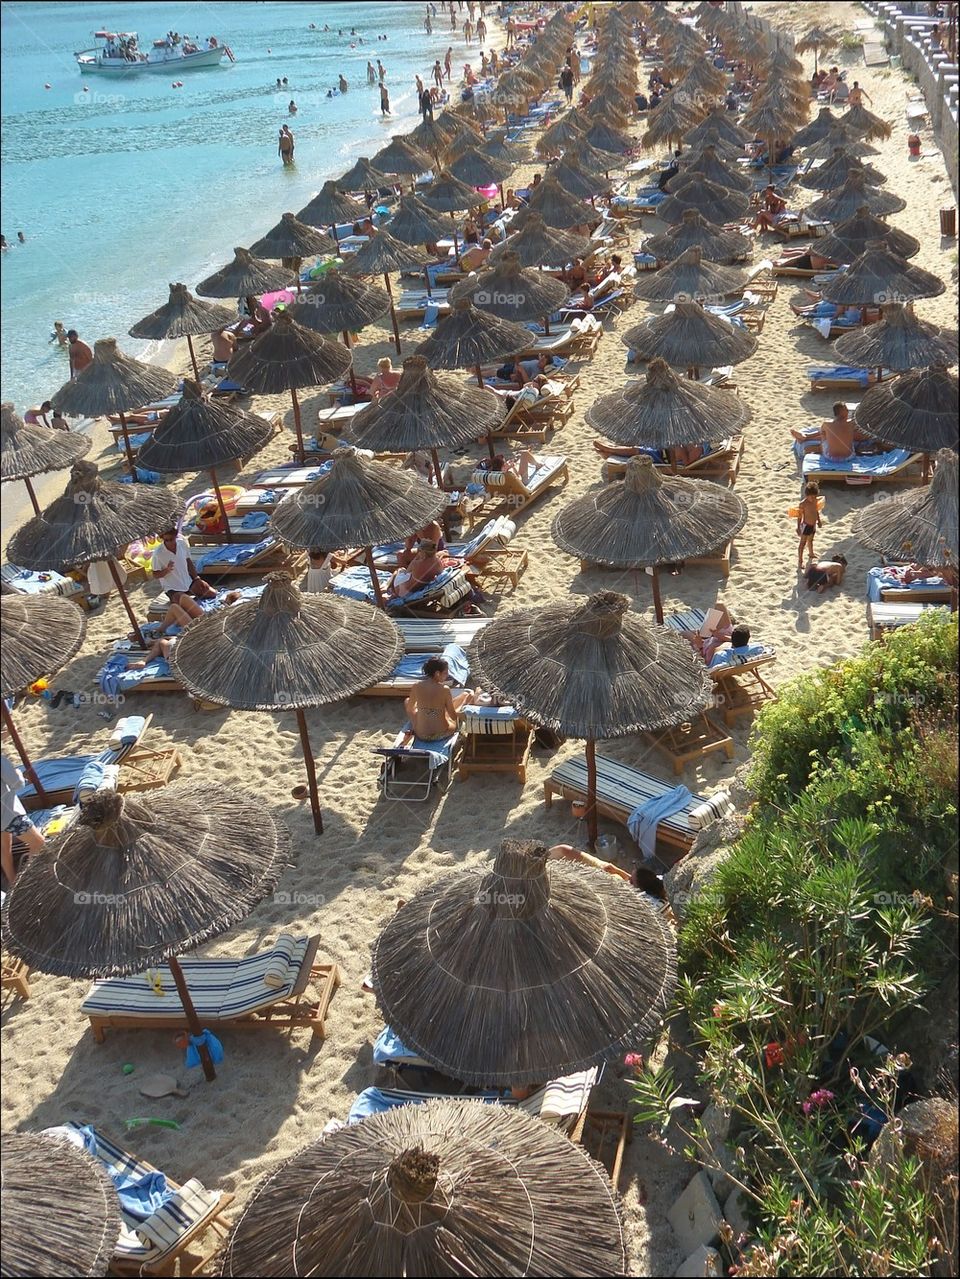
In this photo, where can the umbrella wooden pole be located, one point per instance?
(112, 563)
(129, 451)
(24, 757)
(301, 452)
(311, 771)
(393, 313)
(437, 469)
(657, 598)
(456, 247)
(426, 276)
(33, 496)
(353, 379)
(193, 359)
(591, 752)
(223, 510)
(193, 1021)
(378, 593)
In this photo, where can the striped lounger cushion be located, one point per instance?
(221, 988)
(429, 635)
(889, 616)
(558, 1100)
(625, 787)
(490, 721)
(23, 581)
(149, 1240)
(711, 810)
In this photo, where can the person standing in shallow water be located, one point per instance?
(285, 145)
(384, 100)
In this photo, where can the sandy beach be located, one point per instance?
(273, 1093)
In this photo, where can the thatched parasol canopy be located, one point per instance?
(113, 383)
(662, 411)
(556, 207)
(291, 238)
(565, 132)
(339, 303)
(525, 970)
(446, 194)
(816, 39)
(451, 1187)
(246, 277)
(468, 337)
(34, 449)
(363, 176)
(916, 411)
(694, 231)
(498, 148)
(510, 292)
(286, 650)
(91, 521)
(649, 519)
(688, 337)
(590, 668)
(384, 253)
(579, 180)
(198, 434)
(40, 634)
(818, 128)
(850, 238)
(900, 341)
(401, 159)
(431, 137)
(669, 121)
(717, 123)
(140, 879)
(865, 124)
(61, 1214)
(604, 138)
(855, 194)
(479, 170)
(840, 166)
(838, 138)
(426, 410)
(332, 205)
(708, 166)
(537, 244)
(358, 502)
(183, 316)
(920, 526)
(716, 202)
(286, 356)
(416, 223)
(689, 278)
(879, 276)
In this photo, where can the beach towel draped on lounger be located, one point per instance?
(891, 577)
(646, 817)
(232, 554)
(141, 1194)
(878, 464)
(841, 373)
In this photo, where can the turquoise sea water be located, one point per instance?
(134, 184)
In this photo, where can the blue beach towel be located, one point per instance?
(389, 1048)
(431, 316)
(645, 818)
(255, 519)
(140, 1195)
(232, 553)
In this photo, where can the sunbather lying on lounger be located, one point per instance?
(683, 455)
(523, 464)
(567, 853)
(430, 533)
(431, 706)
(424, 566)
(716, 631)
(837, 437)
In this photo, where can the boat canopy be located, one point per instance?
(114, 35)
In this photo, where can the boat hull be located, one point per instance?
(120, 70)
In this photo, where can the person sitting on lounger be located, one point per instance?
(772, 210)
(525, 371)
(581, 299)
(716, 631)
(475, 257)
(824, 573)
(386, 379)
(420, 463)
(738, 644)
(837, 437)
(171, 564)
(524, 464)
(224, 344)
(425, 564)
(431, 707)
(431, 532)
(15, 821)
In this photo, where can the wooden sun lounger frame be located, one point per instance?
(912, 595)
(495, 752)
(289, 1013)
(684, 743)
(271, 560)
(514, 496)
(530, 422)
(741, 699)
(16, 976)
(843, 384)
(722, 466)
(719, 558)
(906, 473)
(615, 812)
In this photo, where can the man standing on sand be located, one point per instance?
(285, 145)
(511, 31)
(574, 61)
(481, 30)
(80, 354)
(448, 62)
(426, 105)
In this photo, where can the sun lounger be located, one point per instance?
(610, 304)
(247, 528)
(158, 606)
(685, 743)
(495, 740)
(740, 687)
(410, 772)
(720, 558)
(16, 976)
(621, 789)
(899, 466)
(580, 339)
(447, 590)
(889, 617)
(495, 535)
(721, 462)
(24, 581)
(271, 988)
(415, 303)
(885, 584)
(842, 377)
(170, 1240)
(433, 634)
(506, 488)
(241, 558)
(409, 671)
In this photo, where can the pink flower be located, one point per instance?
(634, 1060)
(817, 1100)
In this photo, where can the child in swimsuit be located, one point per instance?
(808, 521)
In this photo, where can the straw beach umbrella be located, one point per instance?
(340, 303)
(649, 520)
(838, 138)
(31, 450)
(669, 121)
(819, 128)
(695, 232)
(468, 337)
(363, 176)
(512, 293)
(688, 337)
(537, 244)
(183, 316)
(416, 223)
(426, 411)
(329, 206)
(382, 254)
(61, 1214)
(578, 181)
(91, 522)
(479, 170)
(817, 39)
(590, 669)
(566, 132)
(40, 635)
(358, 502)
(920, 527)
(291, 241)
(140, 879)
(718, 124)
(286, 651)
(556, 207)
(850, 238)
(497, 147)
(286, 357)
(855, 194)
(246, 277)
(690, 279)
(520, 971)
(446, 194)
(917, 410)
(602, 137)
(716, 202)
(839, 167)
(114, 383)
(451, 1187)
(865, 124)
(900, 341)
(879, 276)
(400, 158)
(708, 165)
(199, 435)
